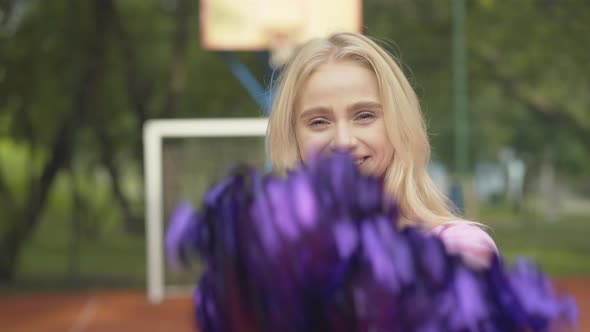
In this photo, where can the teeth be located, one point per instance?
(360, 161)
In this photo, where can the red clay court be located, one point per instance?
(116, 311)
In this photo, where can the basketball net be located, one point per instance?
(282, 24)
(282, 46)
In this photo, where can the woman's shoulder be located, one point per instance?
(467, 239)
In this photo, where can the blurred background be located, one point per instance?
(78, 79)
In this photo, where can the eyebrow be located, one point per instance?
(324, 110)
(365, 104)
(315, 111)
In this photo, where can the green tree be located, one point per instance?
(77, 82)
(78, 79)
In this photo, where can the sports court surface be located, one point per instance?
(116, 311)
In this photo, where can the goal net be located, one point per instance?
(183, 159)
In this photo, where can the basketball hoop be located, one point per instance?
(279, 26)
(281, 47)
(282, 22)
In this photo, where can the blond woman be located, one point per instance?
(347, 92)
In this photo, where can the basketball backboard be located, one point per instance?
(232, 25)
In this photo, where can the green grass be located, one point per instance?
(561, 248)
(115, 259)
(116, 255)
(53, 258)
(111, 259)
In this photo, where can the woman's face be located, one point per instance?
(339, 107)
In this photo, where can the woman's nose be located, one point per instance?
(345, 138)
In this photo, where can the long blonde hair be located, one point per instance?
(406, 179)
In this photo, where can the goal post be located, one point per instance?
(155, 132)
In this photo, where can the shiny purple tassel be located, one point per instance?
(319, 250)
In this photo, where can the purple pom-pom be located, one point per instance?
(320, 251)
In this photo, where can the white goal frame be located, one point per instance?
(154, 132)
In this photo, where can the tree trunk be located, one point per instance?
(139, 88)
(27, 217)
(177, 75)
(25, 220)
(9, 252)
(132, 223)
(549, 188)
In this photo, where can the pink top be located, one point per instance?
(471, 242)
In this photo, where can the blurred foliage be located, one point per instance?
(79, 78)
(528, 73)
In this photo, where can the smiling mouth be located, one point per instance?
(360, 161)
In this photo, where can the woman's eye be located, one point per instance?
(318, 123)
(365, 116)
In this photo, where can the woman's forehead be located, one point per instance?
(345, 81)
